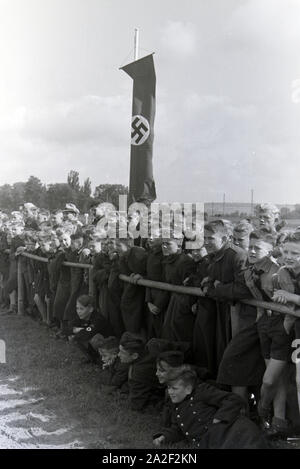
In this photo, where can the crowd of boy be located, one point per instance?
(219, 370)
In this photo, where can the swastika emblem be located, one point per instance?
(140, 130)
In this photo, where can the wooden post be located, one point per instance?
(20, 291)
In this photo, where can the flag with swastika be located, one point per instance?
(141, 182)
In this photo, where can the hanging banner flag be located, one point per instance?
(141, 182)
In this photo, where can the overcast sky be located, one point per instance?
(228, 109)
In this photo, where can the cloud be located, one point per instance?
(268, 23)
(90, 134)
(179, 38)
(87, 119)
(216, 146)
(226, 115)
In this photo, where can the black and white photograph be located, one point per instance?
(149, 228)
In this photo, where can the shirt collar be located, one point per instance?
(217, 256)
(265, 264)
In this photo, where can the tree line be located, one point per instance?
(53, 196)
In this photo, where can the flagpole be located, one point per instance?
(136, 43)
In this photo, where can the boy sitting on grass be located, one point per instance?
(207, 417)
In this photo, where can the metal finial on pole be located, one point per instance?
(136, 43)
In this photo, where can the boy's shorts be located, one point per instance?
(275, 342)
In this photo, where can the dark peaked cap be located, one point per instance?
(173, 358)
(132, 342)
(157, 346)
(108, 343)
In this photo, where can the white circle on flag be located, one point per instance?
(140, 130)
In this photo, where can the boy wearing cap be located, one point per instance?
(144, 388)
(43, 216)
(71, 214)
(207, 417)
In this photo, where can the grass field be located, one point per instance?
(51, 400)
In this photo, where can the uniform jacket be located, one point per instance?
(144, 387)
(133, 296)
(179, 319)
(212, 331)
(155, 270)
(101, 268)
(116, 375)
(192, 417)
(97, 324)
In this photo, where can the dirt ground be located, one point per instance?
(49, 399)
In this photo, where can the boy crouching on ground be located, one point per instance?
(207, 417)
(114, 373)
(144, 388)
(87, 324)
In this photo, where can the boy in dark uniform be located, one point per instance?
(143, 385)
(4, 267)
(53, 280)
(15, 241)
(132, 261)
(114, 373)
(41, 278)
(61, 278)
(77, 285)
(28, 270)
(179, 319)
(287, 292)
(157, 300)
(207, 417)
(110, 287)
(86, 325)
(273, 331)
(212, 330)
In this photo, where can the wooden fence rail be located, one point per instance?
(146, 283)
